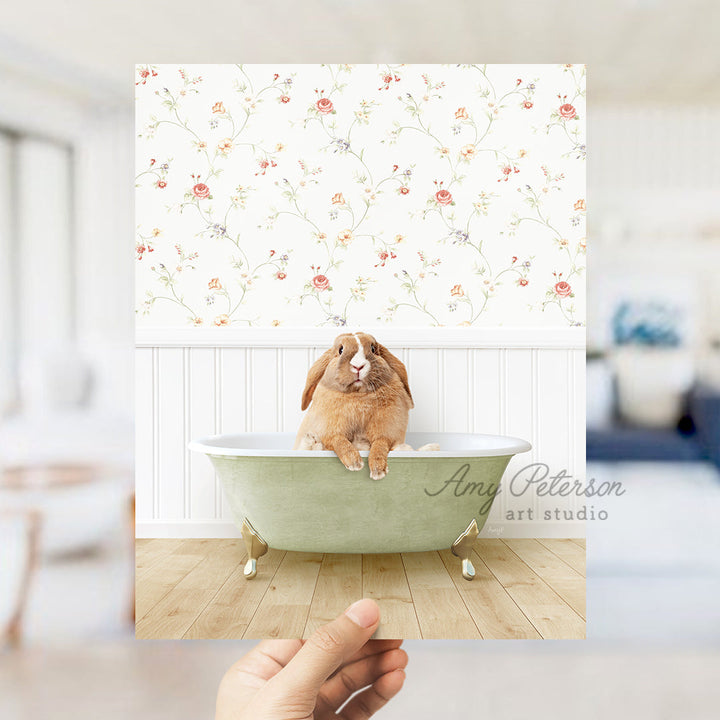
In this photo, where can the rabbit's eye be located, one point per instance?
(373, 348)
(340, 350)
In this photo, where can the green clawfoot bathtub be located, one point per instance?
(306, 500)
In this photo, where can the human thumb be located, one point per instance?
(327, 649)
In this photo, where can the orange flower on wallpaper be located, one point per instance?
(457, 291)
(214, 284)
(345, 236)
(222, 320)
(218, 107)
(338, 199)
(461, 114)
(579, 205)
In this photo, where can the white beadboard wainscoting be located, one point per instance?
(527, 382)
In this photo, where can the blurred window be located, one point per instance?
(37, 284)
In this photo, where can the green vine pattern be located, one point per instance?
(335, 254)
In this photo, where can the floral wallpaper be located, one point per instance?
(310, 195)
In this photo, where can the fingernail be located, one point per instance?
(364, 613)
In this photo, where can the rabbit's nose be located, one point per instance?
(358, 368)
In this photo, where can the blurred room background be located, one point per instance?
(66, 341)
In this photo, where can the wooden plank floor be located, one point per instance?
(522, 589)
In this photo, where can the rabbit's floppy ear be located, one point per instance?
(314, 376)
(397, 366)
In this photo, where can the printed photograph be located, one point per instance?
(360, 349)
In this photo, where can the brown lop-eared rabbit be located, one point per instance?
(360, 400)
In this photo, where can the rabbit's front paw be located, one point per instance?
(352, 461)
(378, 468)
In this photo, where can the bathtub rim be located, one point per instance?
(505, 445)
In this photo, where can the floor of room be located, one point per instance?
(653, 564)
(523, 589)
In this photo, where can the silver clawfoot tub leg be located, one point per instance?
(463, 546)
(256, 547)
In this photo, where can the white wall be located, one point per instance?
(524, 382)
(654, 212)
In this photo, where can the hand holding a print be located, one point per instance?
(313, 679)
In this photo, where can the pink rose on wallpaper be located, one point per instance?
(324, 106)
(321, 282)
(201, 190)
(527, 104)
(443, 197)
(280, 275)
(567, 111)
(284, 99)
(161, 184)
(563, 289)
(522, 282)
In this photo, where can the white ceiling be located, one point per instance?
(637, 51)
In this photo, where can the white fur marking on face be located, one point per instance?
(359, 359)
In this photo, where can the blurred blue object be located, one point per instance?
(622, 443)
(705, 411)
(647, 323)
(625, 442)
